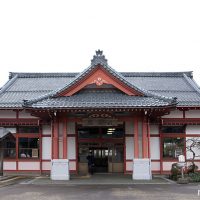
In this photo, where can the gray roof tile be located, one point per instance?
(100, 99)
(157, 87)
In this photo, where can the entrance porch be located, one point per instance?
(114, 142)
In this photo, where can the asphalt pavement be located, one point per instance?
(41, 188)
(100, 192)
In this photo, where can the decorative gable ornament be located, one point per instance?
(99, 81)
(99, 58)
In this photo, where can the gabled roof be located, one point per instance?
(100, 63)
(38, 87)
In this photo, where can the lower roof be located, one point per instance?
(103, 98)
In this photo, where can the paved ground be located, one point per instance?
(98, 179)
(44, 189)
(108, 192)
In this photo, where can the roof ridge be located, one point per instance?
(162, 74)
(42, 74)
(8, 84)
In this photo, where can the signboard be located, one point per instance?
(100, 122)
(60, 169)
(142, 169)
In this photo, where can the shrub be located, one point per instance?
(175, 171)
(192, 168)
(194, 177)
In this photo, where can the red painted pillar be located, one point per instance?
(136, 145)
(149, 139)
(144, 139)
(64, 138)
(55, 139)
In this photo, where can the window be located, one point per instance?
(173, 141)
(173, 147)
(28, 147)
(9, 146)
(173, 129)
(103, 132)
(112, 132)
(28, 129)
(88, 132)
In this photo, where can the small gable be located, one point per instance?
(99, 73)
(99, 76)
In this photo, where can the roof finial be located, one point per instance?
(99, 58)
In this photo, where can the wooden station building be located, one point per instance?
(118, 116)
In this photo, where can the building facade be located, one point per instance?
(119, 117)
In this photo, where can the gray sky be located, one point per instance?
(62, 36)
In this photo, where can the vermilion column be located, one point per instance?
(55, 139)
(64, 138)
(144, 139)
(136, 145)
(148, 132)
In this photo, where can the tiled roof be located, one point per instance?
(42, 87)
(91, 98)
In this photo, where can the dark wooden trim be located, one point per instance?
(46, 160)
(155, 160)
(19, 121)
(72, 160)
(155, 135)
(49, 135)
(71, 135)
(129, 135)
(192, 135)
(180, 121)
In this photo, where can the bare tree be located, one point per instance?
(193, 146)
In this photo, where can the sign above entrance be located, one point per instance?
(100, 115)
(100, 122)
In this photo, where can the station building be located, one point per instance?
(118, 116)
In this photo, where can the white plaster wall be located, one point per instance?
(129, 166)
(7, 114)
(154, 129)
(129, 127)
(71, 148)
(129, 148)
(24, 114)
(29, 165)
(155, 166)
(60, 147)
(167, 166)
(46, 165)
(192, 114)
(9, 165)
(72, 165)
(189, 154)
(193, 129)
(174, 114)
(155, 148)
(46, 148)
(46, 130)
(71, 128)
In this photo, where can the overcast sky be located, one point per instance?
(62, 36)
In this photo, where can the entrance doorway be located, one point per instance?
(107, 147)
(100, 159)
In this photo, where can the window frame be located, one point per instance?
(172, 135)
